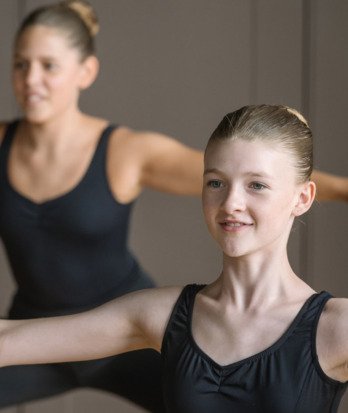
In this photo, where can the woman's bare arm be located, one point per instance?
(165, 164)
(134, 321)
(169, 166)
(330, 187)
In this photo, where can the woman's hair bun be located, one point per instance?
(86, 12)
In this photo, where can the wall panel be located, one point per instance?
(327, 257)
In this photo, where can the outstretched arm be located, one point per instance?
(134, 321)
(170, 166)
(330, 187)
(164, 164)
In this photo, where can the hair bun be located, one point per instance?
(297, 114)
(86, 13)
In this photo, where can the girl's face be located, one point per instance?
(250, 196)
(47, 73)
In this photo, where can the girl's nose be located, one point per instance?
(234, 200)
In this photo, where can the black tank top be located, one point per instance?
(69, 253)
(284, 378)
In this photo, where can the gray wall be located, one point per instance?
(177, 67)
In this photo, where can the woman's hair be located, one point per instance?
(275, 124)
(75, 18)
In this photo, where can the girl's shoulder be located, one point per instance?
(160, 300)
(336, 309)
(336, 313)
(334, 320)
(332, 338)
(152, 308)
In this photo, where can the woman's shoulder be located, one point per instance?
(139, 138)
(134, 146)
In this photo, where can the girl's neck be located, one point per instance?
(255, 281)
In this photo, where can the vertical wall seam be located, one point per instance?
(253, 58)
(21, 9)
(304, 252)
(306, 57)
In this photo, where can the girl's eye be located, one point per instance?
(214, 183)
(257, 186)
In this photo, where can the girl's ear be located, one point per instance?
(305, 198)
(89, 72)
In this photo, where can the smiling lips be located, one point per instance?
(234, 225)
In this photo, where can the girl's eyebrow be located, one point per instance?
(251, 173)
(211, 170)
(258, 174)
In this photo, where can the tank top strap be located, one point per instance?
(320, 302)
(311, 310)
(183, 307)
(101, 148)
(308, 317)
(180, 318)
(187, 300)
(96, 171)
(7, 140)
(317, 304)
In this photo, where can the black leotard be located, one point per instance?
(70, 253)
(284, 378)
(67, 255)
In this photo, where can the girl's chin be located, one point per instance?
(235, 253)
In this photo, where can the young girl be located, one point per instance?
(258, 338)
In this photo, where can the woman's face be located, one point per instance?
(46, 73)
(250, 196)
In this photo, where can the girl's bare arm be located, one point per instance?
(134, 321)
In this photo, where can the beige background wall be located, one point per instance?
(177, 67)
